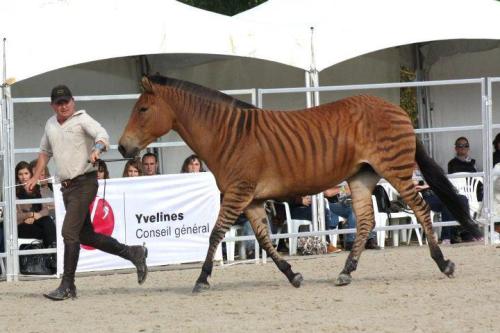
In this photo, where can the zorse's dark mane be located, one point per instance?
(200, 91)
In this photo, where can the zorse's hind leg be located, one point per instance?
(232, 206)
(362, 185)
(256, 214)
(406, 189)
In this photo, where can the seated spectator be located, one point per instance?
(150, 164)
(300, 209)
(462, 162)
(102, 170)
(340, 204)
(133, 168)
(46, 189)
(192, 164)
(33, 220)
(449, 235)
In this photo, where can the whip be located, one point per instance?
(113, 159)
(39, 182)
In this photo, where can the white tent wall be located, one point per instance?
(377, 67)
(246, 73)
(461, 105)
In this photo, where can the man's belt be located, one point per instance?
(68, 182)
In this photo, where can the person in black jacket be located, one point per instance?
(462, 162)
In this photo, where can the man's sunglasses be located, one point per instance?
(462, 146)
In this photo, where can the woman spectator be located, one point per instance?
(192, 164)
(46, 189)
(33, 220)
(133, 168)
(102, 170)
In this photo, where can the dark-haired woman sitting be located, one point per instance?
(33, 220)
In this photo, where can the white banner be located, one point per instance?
(172, 214)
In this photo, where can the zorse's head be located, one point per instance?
(151, 118)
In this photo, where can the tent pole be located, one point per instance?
(318, 203)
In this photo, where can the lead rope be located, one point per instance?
(104, 190)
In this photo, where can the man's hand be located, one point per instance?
(95, 155)
(30, 184)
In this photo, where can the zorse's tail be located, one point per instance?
(446, 192)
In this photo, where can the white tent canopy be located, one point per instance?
(70, 32)
(347, 29)
(65, 33)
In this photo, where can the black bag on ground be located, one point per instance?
(37, 264)
(385, 205)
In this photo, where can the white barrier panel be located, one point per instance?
(173, 214)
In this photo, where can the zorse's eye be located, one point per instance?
(143, 109)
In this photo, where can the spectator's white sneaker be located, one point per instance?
(496, 238)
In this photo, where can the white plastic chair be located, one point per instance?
(333, 237)
(21, 241)
(382, 219)
(468, 186)
(293, 227)
(230, 246)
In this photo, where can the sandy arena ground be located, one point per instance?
(393, 290)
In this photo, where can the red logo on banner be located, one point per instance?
(102, 217)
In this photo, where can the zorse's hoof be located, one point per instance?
(343, 279)
(199, 287)
(297, 280)
(449, 269)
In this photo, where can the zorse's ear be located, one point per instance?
(146, 85)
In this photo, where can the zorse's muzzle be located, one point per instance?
(127, 148)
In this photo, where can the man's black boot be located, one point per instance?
(137, 254)
(67, 288)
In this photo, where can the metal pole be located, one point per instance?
(259, 101)
(314, 203)
(488, 169)
(318, 205)
(10, 221)
(254, 97)
(3, 139)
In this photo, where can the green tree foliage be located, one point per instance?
(226, 7)
(408, 96)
